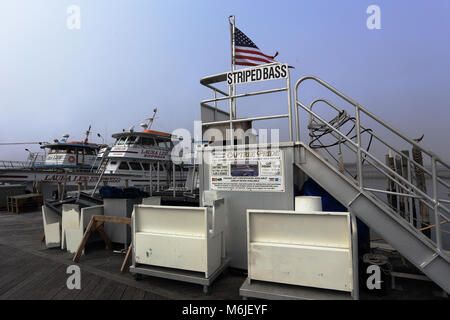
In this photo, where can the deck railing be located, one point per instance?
(409, 199)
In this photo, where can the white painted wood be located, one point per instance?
(312, 266)
(188, 238)
(308, 203)
(324, 229)
(300, 248)
(70, 220)
(171, 220)
(174, 251)
(52, 227)
(75, 235)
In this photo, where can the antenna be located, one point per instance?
(148, 125)
(87, 134)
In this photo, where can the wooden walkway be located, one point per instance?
(28, 270)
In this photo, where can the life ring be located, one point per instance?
(71, 159)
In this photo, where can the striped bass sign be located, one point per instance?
(262, 73)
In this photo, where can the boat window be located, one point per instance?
(90, 152)
(162, 144)
(121, 141)
(135, 166)
(132, 139)
(148, 141)
(71, 151)
(124, 166)
(113, 163)
(146, 166)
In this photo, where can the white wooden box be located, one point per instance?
(187, 238)
(300, 248)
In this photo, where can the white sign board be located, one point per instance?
(262, 73)
(247, 170)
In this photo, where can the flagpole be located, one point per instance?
(233, 64)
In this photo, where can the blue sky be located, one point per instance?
(133, 55)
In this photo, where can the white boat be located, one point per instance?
(136, 159)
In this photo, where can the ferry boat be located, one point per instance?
(137, 159)
(70, 154)
(143, 154)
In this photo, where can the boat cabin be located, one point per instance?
(71, 154)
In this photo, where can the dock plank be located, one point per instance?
(132, 293)
(26, 269)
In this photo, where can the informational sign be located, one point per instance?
(247, 170)
(263, 73)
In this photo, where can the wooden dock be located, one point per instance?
(28, 270)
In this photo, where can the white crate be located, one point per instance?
(308, 249)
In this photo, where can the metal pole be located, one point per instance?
(297, 126)
(151, 179)
(288, 86)
(232, 88)
(233, 66)
(437, 221)
(215, 105)
(157, 176)
(173, 178)
(358, 142)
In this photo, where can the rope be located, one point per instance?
(318, 130)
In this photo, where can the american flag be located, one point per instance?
(247, 53)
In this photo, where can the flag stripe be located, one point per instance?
(247, 64)
(247, 53)
(238, 49)
(252, 58)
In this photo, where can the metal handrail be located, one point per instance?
(416, 164)
(405, 184)
(232, 98)
(11, 164)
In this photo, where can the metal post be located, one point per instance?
(173, 178)
(231, 116)
(233, 67)
(297, 126)
(215, 105)
(358, 142)
(437, 218)
(232, 88)
(410, 200)
(157, 176)
(151, 179)
(288, 87)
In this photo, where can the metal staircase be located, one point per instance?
(399, 225)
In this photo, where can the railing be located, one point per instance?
(231, 96)
(406, 193)
(8, 164)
